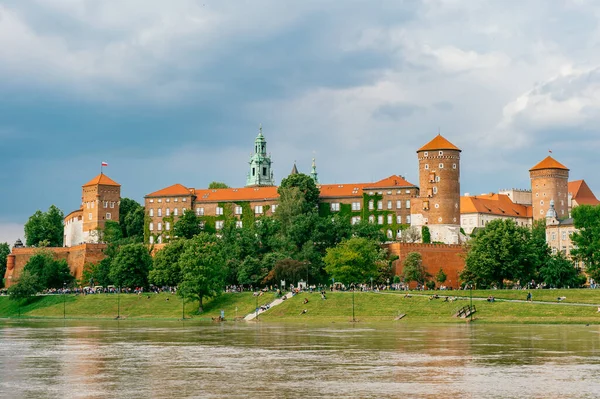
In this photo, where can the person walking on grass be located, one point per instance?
(529, 297)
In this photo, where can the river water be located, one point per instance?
(40, 359)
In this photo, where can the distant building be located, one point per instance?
(549, 181)
(478, 210)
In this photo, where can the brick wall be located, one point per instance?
(450, 258)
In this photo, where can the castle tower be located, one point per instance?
(260, 173)
(100, 200)
(549, 181)
(438, 205)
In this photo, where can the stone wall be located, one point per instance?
(450, 258)
(77, 257)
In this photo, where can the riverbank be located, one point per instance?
(578, 306)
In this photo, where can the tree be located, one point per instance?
(410, 234)
(133, 224)
(216, 185)
(27, 285)
(111, 233)
(130, 266)
(501, 251)
(426, 234)
(187, 226)
(560, 272)
(45, 226)
(368, 230)
(166, 269)
(4, 252)
(353, 260)
(413, 269)
(307, 188)
(586, 219)
(50, 273)
(202, 268)
(441, 277)
(291, 204)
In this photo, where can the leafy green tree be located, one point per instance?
(216, 185)
(111, 233)
(292, 204)
(202, 267)
(27, 286)
(130, 266)
(50, 273)
(560, 272)
(353, 260)
(45, 226)
(131, 219)
(441, 277)
(413, 269)
(307, 188)
(586, 219)
(368, 230)
(426, 234)
(501, 251)
(4, 252)
(251, 271)
(187, 226)
(166, 269)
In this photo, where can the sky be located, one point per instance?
(174, 92)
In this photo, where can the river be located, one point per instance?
(77, 359)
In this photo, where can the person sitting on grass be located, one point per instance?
(304, 311)
(305, 301)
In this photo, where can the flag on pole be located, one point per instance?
(104, 163)
(550, 151)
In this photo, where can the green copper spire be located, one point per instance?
(260, 173)
(313, 172)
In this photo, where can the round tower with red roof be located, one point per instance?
(549, 181)
(100, 200)
(439, 184)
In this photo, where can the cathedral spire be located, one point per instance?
(260, 173)
(313, 172)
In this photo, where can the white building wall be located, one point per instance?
(73, 232)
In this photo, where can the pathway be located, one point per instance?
(252, 316)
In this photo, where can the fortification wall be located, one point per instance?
(77, 257)
(450, 258)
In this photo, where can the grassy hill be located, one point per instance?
(368, 306)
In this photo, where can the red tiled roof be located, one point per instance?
(101, 179)
(342, 190)
(438, 143)
(494, 204)
(392, 181)
(581, 193)
(549, 163)
(175, 189)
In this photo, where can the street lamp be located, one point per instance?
(256, 308)
(119, 303)
(353, 288)
(64, 301)
(471, 301)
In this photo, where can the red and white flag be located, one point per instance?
(104, 163)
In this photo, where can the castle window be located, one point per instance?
(407, 204)
(219, 210)
(436, 206)
(553, 236)
(89, 216)
(537, 195)
(238, 210)
(437, 179)
(390, 235)
(108, 216)
(441, 166)
(440, 220)
(167, 226)
(389, 205)
(440, 153)
(160, 212)
(390, 219)
(335, 206)
(453, 166)
(408, 219)
(112, 204)
(425, 205)
(175, 212)
(380, 205)
(371, 205)
(168, 212)
(564, 235)
(258, 210)
(407, 191)
(356, 206)
(253, 172)
(389, 193)
(151, 212)
(380, 219)
(544, 194)
(264, 171)
(542, 202)
(426, 166)
(355, 219)
(151, 226)
(175, 200)
(105, 204)
(398, 204)
(371, 219)
(399, 219)
(541, 211)
(167, 200)
(426, 154)
(273, 208)
(183, 200)
(238, 224)
(160, 200)
(159, 226)
(435, 190)
(151, 201)
(160, 239)
(219, 224)
(199, 211)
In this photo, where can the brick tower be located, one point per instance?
(549, 181)
(100, 200)
(438, 206)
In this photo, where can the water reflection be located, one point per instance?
(141, 359)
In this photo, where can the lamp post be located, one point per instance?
(371, 283)
(119, 303)
(471, 301)
(256, 308)
(353, 288)
(64, 301)
(183, 306)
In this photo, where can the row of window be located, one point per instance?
(389, 192)
(426, 153)
(440, 166)
(381, 219)
(167, 200)
(107, 217)
(563, 235)
(238, 210)
(106, 204)
(335, 206)
(159, 212)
